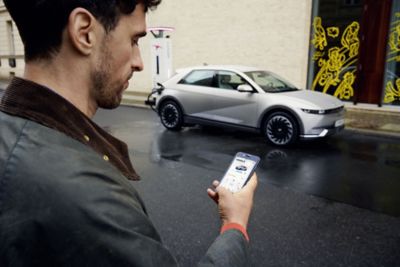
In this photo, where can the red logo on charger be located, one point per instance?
(157, 46)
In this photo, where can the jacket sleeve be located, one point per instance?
(229, 249)
(131, 237)
(117, 230)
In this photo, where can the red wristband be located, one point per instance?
(236, 226)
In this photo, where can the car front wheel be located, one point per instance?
(280, 129)
(171, 116)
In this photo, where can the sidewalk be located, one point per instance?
(373, 119)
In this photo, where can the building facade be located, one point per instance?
(346, 48)
(11, 48)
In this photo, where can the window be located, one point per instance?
(334, 47)
(228, 80)
(351, 2)
(391, 84)
(269, 82)
(199, 78)
(11, 44)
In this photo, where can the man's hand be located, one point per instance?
(234, 207)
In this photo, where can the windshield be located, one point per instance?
(270, 82)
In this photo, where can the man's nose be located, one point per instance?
(137, 62)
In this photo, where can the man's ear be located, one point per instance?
(81, 30)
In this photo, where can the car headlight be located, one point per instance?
(314, 111)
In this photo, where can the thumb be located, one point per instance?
(252, 183)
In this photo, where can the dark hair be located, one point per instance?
(41, 22)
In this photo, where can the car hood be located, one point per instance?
(313, 99)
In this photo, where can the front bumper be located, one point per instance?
(322, 132)
(319, 126)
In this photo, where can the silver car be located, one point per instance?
(246, 98)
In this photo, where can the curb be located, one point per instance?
(373, 132)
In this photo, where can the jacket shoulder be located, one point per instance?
(41, 155)
(58, 192)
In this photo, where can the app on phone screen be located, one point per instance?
(237, 174)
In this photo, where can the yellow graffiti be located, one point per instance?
(333, 32)
(350, 38)
(392, 88)
(394, 39)
(391, 93)
(319, 41)
(345, 89)
(335, 69)
(329, 71)
(317, 55)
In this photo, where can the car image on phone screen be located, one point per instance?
(240, 171)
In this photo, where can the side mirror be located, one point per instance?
(245, 88)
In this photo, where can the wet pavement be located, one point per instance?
(333, 202)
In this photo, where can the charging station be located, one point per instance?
(161, 54)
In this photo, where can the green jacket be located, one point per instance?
(63, 204)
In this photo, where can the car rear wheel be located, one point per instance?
(280, 129)
(171, 116)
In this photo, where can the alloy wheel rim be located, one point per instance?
(170, 115)
(279, 130)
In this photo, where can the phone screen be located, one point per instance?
(239, 172)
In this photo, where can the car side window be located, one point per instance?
(199, 78)
(229, 80)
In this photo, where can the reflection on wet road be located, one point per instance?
(359, 170)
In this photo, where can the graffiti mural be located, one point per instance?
(392, 93)
(335, 64)
(392, 86)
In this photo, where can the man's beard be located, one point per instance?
(105, 95)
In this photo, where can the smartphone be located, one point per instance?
(240, 171)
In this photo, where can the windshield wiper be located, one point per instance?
(279, 89)
(288, 89)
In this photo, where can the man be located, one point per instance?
(65, 197)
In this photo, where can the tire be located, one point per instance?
(171, 115)
(281, 129)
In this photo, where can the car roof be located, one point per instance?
(220, 67)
